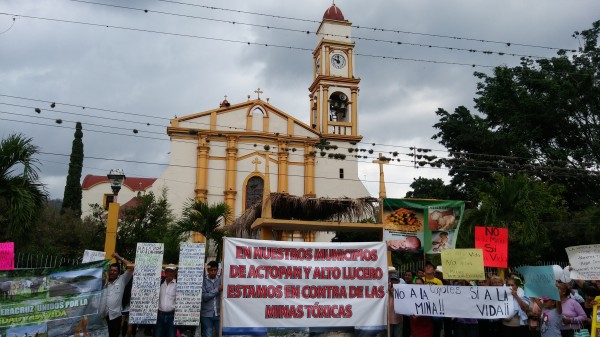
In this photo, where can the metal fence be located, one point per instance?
(27, 261)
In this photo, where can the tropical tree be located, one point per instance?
(22, 195)
(72, 194)
(433, 188)
(541, 118)
(207, 220)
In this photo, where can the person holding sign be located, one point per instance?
(516, 324)
(211, 301)
(573, 316)
(113, 295)
(166, 304)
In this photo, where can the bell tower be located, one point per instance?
(334, 90)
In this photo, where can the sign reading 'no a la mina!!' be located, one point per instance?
(453, 301)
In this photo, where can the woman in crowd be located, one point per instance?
(516, 324)
(421, 326)
(573, 316)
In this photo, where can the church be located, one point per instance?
(228, 153)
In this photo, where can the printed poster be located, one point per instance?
(63, 301)
(453, 301)
(304, 288)
(428, 226)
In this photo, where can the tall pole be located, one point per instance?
(116, 177)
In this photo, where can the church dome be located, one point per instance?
(333, 13)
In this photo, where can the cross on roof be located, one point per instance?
(258, 92)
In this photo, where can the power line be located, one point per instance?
(376, 29)
(305, 32)
(384, 57)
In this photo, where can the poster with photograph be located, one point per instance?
(413, 225)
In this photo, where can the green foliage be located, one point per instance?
(522, 205)
(72, 195)
(22, 195)
(541, 118)
(206, 219)
(429, 188)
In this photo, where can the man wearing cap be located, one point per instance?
(166, 304)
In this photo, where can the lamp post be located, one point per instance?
(116, 178)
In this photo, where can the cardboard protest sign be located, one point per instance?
(275, 285)
(463, 264)
(7, 255)
(585, 262)
(494, 243)
(453, 301)
(63, 301)
(92, 255)
(190, 275)
(539, 281)
(146, 283)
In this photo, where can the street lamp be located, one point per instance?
(116, 178)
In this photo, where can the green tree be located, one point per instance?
(430, 188)
(541, 118)
(22, 195)
(72, 194)
(522, 205)
(206, 219)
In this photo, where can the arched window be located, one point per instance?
(257, 119)
(254, 191)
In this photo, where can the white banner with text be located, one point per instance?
(453, 301)
(291, 285)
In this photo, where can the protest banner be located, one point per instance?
(146, 283)
(453, 301)
(7, 255)
(296, 286)
(421, 225)
(540, 281)
(463, 264)
(584, 261)
(65, 301)
(189, 284)
(494, 243)
(92, 255)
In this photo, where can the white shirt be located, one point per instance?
(113, 294)
(166, 299)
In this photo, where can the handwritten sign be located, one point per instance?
(7, 255)
(585, 261)
(539, 281)
(146, 283)
(463, 264)
(92, 256)
(453, 301)
(494, 243)
(189, 284)
(281, 284)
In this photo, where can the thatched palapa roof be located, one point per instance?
(290, 207)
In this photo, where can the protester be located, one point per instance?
(394, 319)
(491, 327)
(550, 320)
(421, 326)
(211, 304)
(166, 304)
(573, 316)
(113, 294)
(516, 324)
(429, 277)
(408, 277)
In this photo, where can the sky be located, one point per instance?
(118, 69)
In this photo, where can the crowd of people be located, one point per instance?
(531, 317)
(118, 295)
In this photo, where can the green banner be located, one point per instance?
(63, 301)
(422, 226)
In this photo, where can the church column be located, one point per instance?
(230, 172)
(282, 168)
(350, 63)
(326, 62)
(325, 110)
(354, 111)
(202, 169)
(309, 170)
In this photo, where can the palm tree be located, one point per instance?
(22, 196)
(206, 219)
